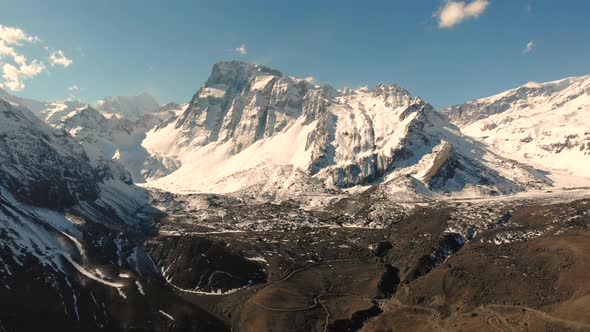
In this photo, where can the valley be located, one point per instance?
(270, 203)
(457, 265)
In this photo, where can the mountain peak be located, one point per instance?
(249, 120)
(237, 72)
(128, 107)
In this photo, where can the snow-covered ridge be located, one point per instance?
(114, 141)
(544, 124)
(34, 106)
(549, 95)
(119, 140)
(251, 129)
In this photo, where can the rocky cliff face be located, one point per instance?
(241, 103)
(249, 121)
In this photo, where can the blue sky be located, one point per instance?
(167, 48)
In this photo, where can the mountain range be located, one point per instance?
(129, 214)
(277, 137)
(251, 130)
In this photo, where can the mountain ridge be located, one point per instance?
(544, 124)
(243, 115)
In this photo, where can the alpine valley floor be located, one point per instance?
(518, 264)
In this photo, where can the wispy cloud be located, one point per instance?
(74, 88)
(530, 46)
(242, 49)
(58, 58)
(15, 68)
(454, 12)
(80, 51)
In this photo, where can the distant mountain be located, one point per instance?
(118, 140)
(128, 107)
(111, 139)
(252, 130)
(34, 106)
(547, 124)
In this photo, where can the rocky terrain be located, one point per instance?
(509, 264)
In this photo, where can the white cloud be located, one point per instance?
(242, 49)
(530, 46)
(10, 51)
(310, 79)
(58, 58)
(15, 69)
(14, 36)
(6, 50)
(14, 76)
(15, 73)
(74, 88)
(455, 12)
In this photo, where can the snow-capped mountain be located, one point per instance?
(128, 107)
(111, 139)
(118, 140)
(63, 222)
(251, 129)
(545, 124)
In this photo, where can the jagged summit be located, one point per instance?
(234, 73)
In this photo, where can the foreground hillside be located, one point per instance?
(71, 238)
